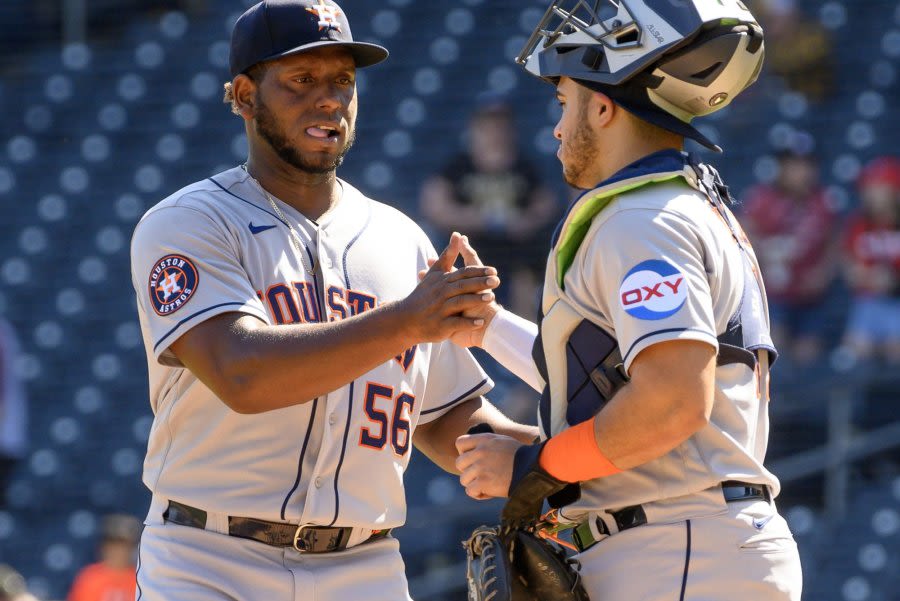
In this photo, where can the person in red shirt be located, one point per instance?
(872, 264)
(113, 577)
(793, 226)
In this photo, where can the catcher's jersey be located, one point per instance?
(217, 246)
(662, 261)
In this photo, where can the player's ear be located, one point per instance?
(244, 91)
(603, 108)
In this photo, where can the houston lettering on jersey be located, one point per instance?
(297, 303)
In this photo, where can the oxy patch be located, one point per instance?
(173, 281)
(653, 290)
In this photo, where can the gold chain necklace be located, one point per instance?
(296, 242)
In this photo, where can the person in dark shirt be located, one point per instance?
(13, 409)
(494, 195)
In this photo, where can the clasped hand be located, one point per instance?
(450, 302)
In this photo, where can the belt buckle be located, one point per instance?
(301, 545)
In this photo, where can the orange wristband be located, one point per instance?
(573, 455)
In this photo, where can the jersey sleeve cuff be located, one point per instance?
(480, 389)
(509, 339)
(161, 346)
(665, 335)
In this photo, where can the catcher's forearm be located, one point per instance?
(437, 439)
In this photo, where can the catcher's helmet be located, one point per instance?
(667, 61)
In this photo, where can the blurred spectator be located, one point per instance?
(13, 409)
(113, 577)
(493, 195)
(791, 223)
(798, 48)
(872, 264)
(12, 585)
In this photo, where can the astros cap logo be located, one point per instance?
(173, 281)
(653, 290)
(328, 15)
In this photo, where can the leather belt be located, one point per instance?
(631, 517)
(306, 539)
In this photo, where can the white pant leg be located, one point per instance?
(179, 563)
(727, 558)
(368, 572)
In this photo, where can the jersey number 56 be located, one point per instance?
(396, 426)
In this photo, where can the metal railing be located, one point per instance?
(841, 449)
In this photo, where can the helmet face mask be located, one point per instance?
(687, 57)
(567, 18)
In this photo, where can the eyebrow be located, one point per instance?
(314, 72)
(316, 66)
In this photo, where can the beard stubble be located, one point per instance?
(581, 149)
(268, 129)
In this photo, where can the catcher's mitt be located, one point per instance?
(517, 565)
(487, 566)
(511, 562)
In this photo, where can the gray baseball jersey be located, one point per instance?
(645, 258)
(217, 246)
(660, 262)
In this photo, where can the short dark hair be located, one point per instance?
(257, 73)
(120, 527)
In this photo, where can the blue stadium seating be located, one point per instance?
(95, 134)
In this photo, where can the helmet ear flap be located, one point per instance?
(710, 51)
(710, 72)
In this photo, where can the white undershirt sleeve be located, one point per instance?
(509, 339)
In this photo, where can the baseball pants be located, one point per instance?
(179, 563)
(744, 553)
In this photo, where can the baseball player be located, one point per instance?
(653, 349)
(294, 357)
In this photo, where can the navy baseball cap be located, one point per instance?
(276, 28)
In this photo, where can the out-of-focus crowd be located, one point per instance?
(111, 578)
(809, 252)
(831, 265)
(820, 262)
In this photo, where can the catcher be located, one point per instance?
(653, 346)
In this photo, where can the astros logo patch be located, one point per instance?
(328, 16)
(653, 290)
(173, 282)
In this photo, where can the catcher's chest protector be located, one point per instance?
(580, 360)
